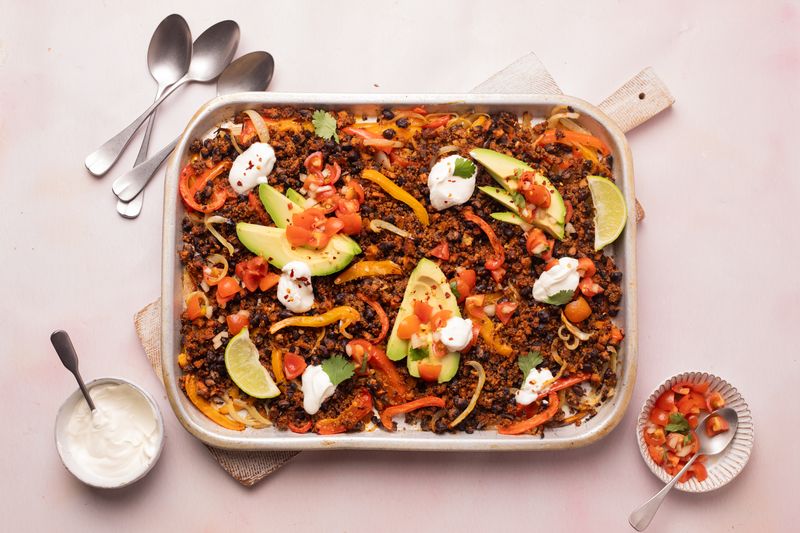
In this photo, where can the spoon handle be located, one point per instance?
(101, 160)
(66, 352)
(127, 186)
(643, 515)
(133, 208)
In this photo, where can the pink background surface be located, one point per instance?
(719, 288)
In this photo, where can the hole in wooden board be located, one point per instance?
(641, 96)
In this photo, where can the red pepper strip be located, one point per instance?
(564, 383)
(425, 401)
(366, 134)
(500, 256)
(188, 190)
(301, 429)
(360, 408)
(534, 421)
(381, 316)
(386, 372)
(441, 121)
(571, 138)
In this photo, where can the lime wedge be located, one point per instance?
(245, 368)
(610, 212)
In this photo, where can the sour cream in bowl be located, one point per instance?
(115, 445)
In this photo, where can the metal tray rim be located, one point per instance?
(400, 440)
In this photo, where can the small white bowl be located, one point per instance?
(62, 419)
(723, 467)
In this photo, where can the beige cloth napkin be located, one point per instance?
(638, 100)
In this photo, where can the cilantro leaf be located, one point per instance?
(324, 125)
(415, 354)
(528, 362)
(560, 298)
(338, 369)
(677, 424)
(454, 288)
(464, 168)
(687, 439)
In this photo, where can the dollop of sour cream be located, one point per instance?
(447, 190)
(561, 277)
(294, 288)
(456, 333)
(117, 441)
(533, 385)
(252, 167)
(317, 387)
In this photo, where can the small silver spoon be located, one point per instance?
(212, 52)
(66, 352)
(641, 517)
(251, 72)
(168, 58)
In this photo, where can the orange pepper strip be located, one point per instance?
(206, 408)
(398, 193)
(277, 366)
(573, 138)
(425, 401)
(358, 410)
(534, 421)
(364, 269)
(344, 313)
(384, 319)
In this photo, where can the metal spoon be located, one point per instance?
(641, 517)
(212, 52)
(168, 58)
(251, 72)
(66, 352)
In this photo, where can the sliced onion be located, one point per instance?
(214, 260)
(232, 127)
(478, 388)
(571, 346)
(215, 219)
(569, 228)
(203, 298)
(217, 340)
(258, 419)
(235, 144)
(377, 225)
(574, 126)
(490, 310)
(612, 362)
(554, 119)
(383, 143)
(563, 334)
(230, 410)
(447, 149)
(383, 159)
(582, 335)
(259, 124)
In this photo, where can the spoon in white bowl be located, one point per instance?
(66, 352)
(168, 58)
(641, 517)
(251, 72)
(212, 52)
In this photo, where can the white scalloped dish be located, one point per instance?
(722, 468)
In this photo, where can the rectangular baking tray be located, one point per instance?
(624, 251)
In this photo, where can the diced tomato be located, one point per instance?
(465, 283)
(442, 251)
(297, 236)
(423, 310)
(715, 425)
(238, 321)
(548, 255)
(476, 331)
(227, 288)
(252, 271)
(429, 371)
(672, 469)
(674, 441)
(536, 242)
(699, 471)
(334, 173)
(568, 206)
(715, 401)
(659, 417)
(657, 454)
(586, 267)
(497, 274)
(681, 388)
(194, 307)
(654, 435)
(694, 445)
(474, 306)
(408, 326)
(666, 401)
(673, 459)
(702, 388)
(505, 310)
(589, 288)
(550, 264)
(617, 334)
(693, 421)
(686, 476)
(439, 319)
(293, 365)
(353, 191)
(268, 281)
(533, 192)
(691, 403)
(347, 207)
(313, 162)
(352, 223)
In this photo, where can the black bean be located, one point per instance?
(616, 276)
(402, 122)
(389, 133)
(387, 114)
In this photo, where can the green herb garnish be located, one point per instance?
(678, 424)
(338, 369)
(324, 125)
(529, 362)
(560, 298)
(464, 168)
(415, 354)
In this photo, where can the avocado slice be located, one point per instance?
(271, 244)
(429, 284)
(502, 167)
(296, 197)
(511, 218)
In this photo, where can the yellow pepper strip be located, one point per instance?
(364, 269)
(345, 313)
(277, 366)
(487, 334)
(206, 408)
(398, 193)
(183, 360)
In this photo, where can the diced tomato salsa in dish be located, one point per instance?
(344, 273)
(670, 434)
